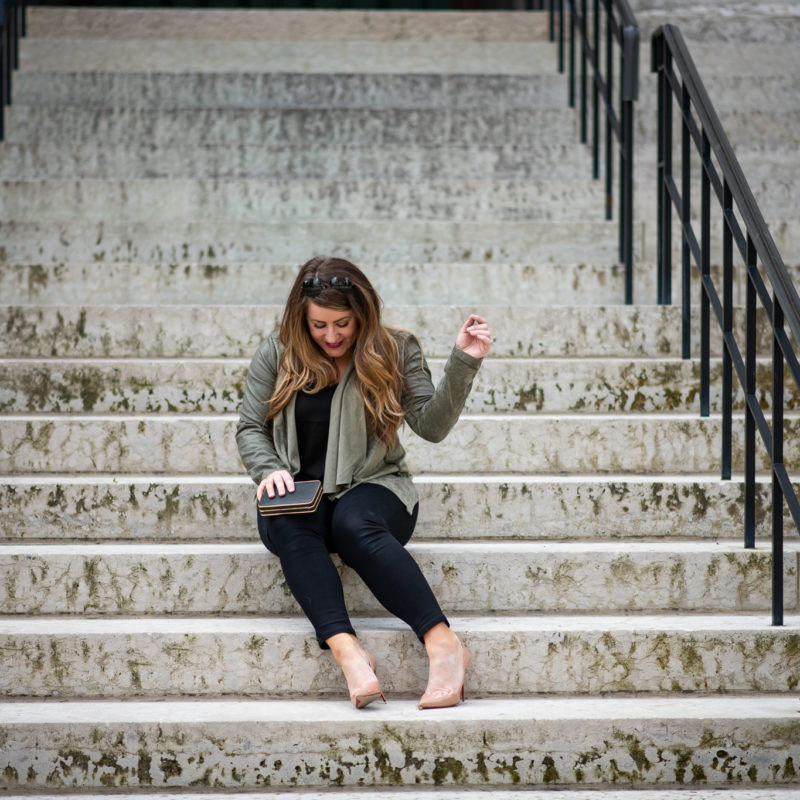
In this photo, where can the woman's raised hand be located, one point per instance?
(474, 337)
(279, 481)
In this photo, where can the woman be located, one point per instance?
(324, 399)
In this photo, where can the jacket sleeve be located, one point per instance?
(253, 438)
(431, 412)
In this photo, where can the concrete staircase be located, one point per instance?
(164, 173)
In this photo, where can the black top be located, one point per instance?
(312, 417)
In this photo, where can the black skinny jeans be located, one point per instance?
(368, 527)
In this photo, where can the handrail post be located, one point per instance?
(629, 73)
(727, 331)
(13, 26)
(750, 396)
(777, 458)
(662, 63)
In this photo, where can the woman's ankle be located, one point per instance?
(440, 637)
(343, 646)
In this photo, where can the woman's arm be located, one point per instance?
(253, 438)
(431, 412)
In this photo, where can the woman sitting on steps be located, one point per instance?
(324, 399)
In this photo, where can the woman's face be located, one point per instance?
(334, 330)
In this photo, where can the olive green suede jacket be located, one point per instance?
(354, 454)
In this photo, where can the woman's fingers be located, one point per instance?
(280, 481)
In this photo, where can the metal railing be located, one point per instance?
(620, 27)
(678, 78)
(13, 22)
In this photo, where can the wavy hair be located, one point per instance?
(375, 352)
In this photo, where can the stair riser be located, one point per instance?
(89, 160)
(548, 445)
(254, 88)
(189, 387)
(527, 284)
(237, 331)
(409, 240)
(282, 25)
(258, 201)
(359, 241)
(258, 90)
(185, 511)
(366, 751)
(325, 57)
(245, 201)
(733, 94)
(732, 29)
(290, 663)
(243, 579)
(397, 283)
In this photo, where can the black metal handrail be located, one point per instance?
(701, 125)
(13, 22)
(620, 27)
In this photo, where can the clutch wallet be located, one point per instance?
(303, 500)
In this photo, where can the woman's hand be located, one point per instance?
(474, 337)
(279, 481)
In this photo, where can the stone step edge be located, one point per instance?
(299, 712)
(579, 548)
(466, 624)
(244, 361)
(499, 478)
(487, 417)
(436, 793)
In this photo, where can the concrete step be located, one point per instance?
(551, 159)
(196, 508)
(278, 25)
(259, 90)
(466, 577)
(182, 283)
(163, 199)
(360, 241)
(187, 386)
(126, 658)
(75, 283)
(731, 28)
(94, 54)
(437, 793)
(541, 444)
(407, 240)
(743, 91)
(748, 128)
(219, 331)
(746, 59)
(537, 742)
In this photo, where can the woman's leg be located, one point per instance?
(301, 543)
(369, 529)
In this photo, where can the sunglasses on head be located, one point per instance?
(314, 286)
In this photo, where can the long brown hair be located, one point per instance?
(375, 352)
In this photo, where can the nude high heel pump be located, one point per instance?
(444, 697)
(361, 696)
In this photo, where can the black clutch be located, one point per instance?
(303, 500)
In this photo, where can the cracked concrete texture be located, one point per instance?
(214, 508)
(533, 742)
(466, 577)
(217, 386)
(519, 655)
(542, 443)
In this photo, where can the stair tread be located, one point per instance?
(309, 712)
(464, 623)
(461, 547)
